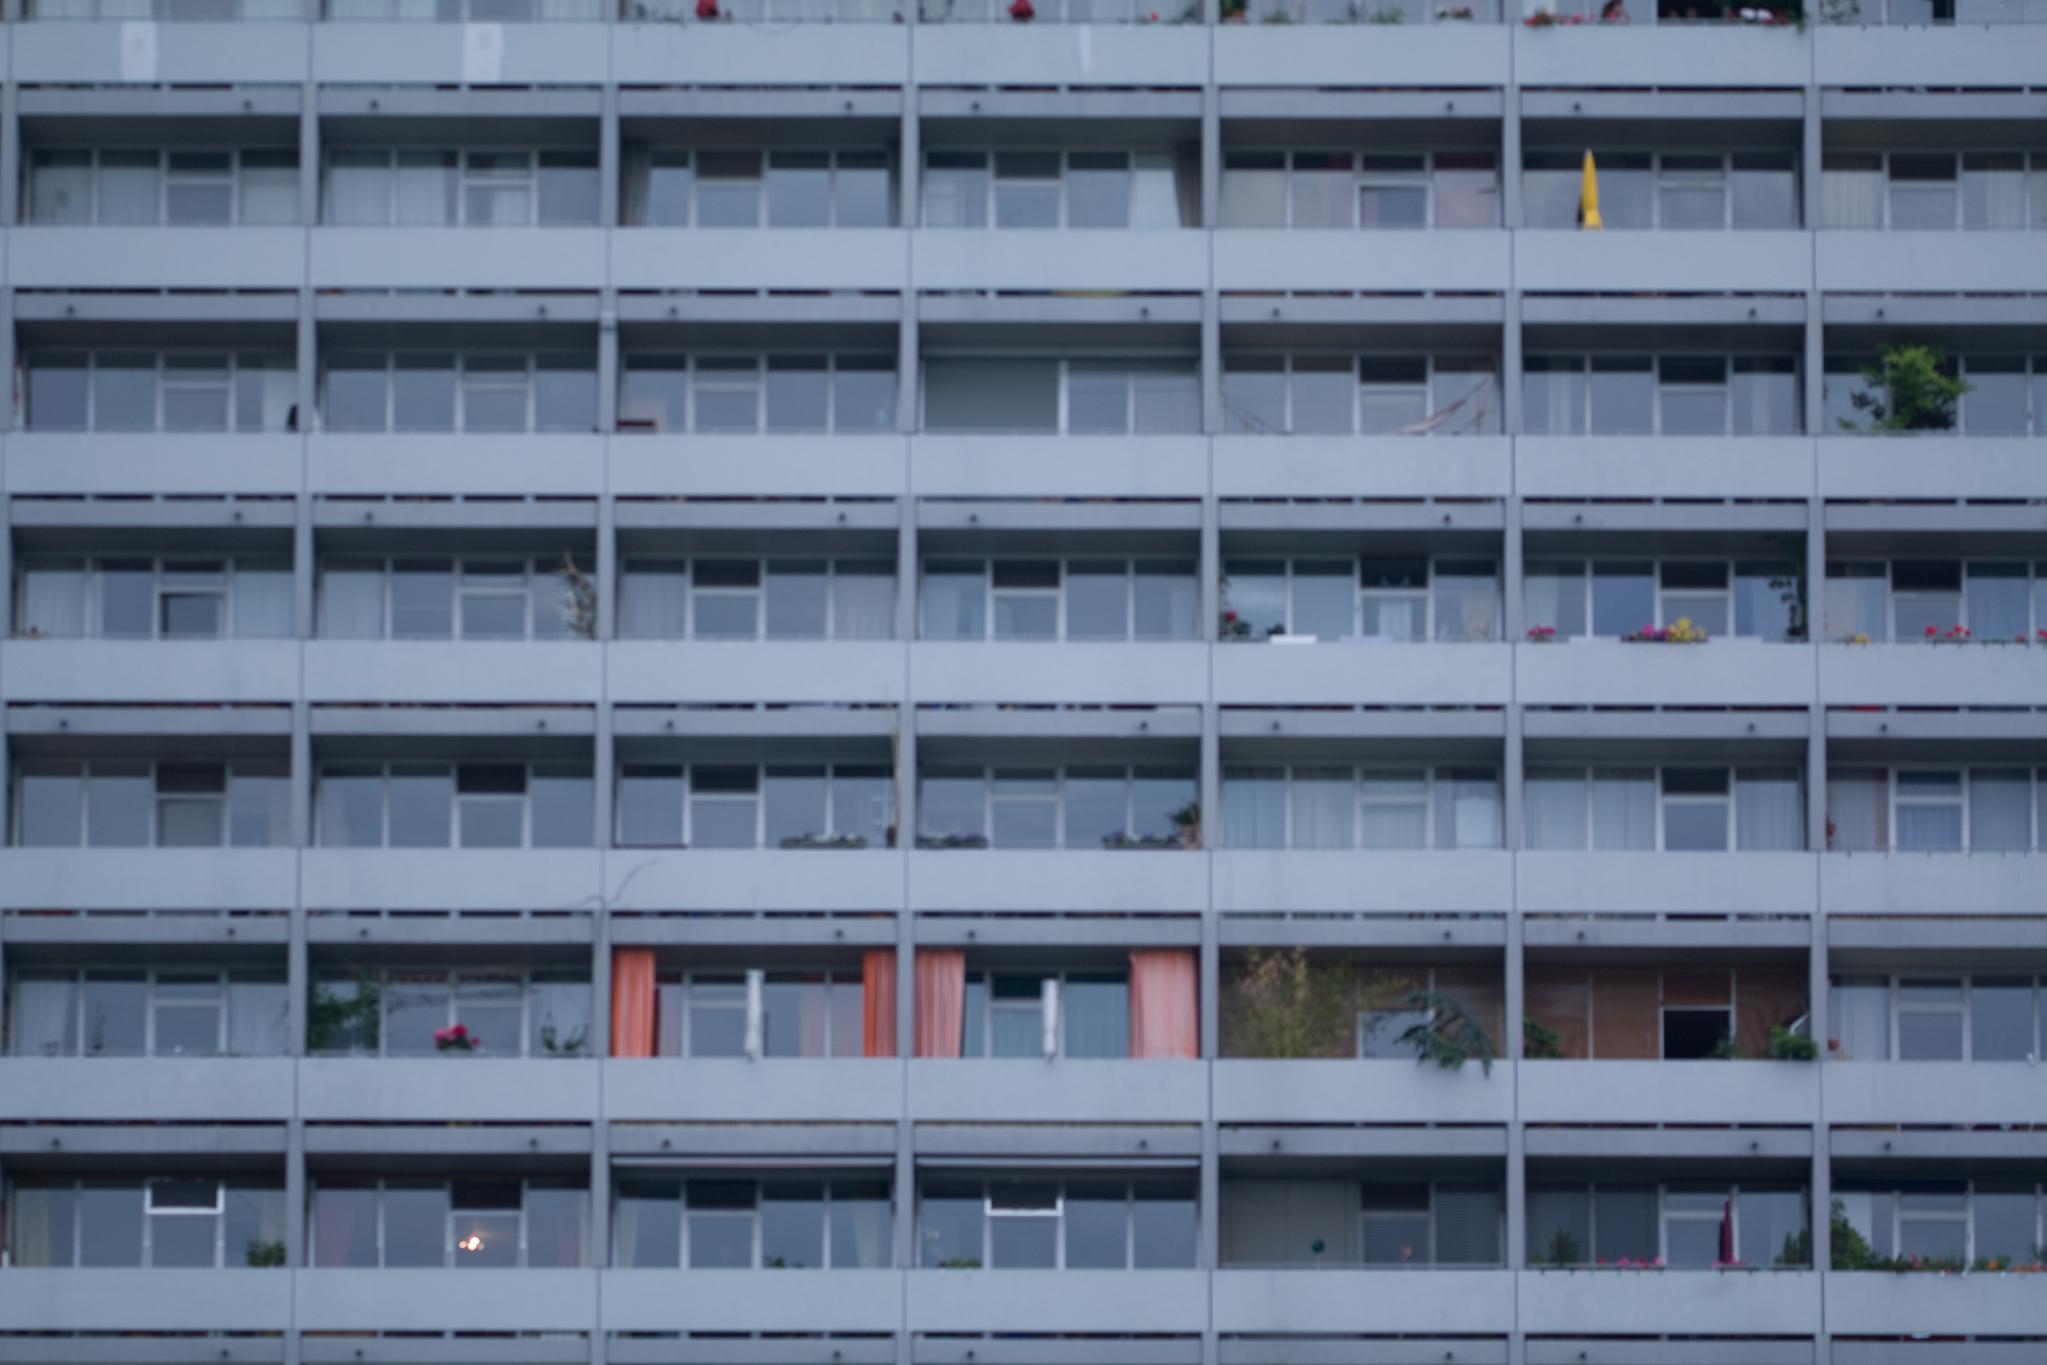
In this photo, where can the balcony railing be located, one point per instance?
(764, 11)
(1059, 11)
(1386, 12)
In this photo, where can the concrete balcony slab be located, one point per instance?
(1676, 1302)
(1608, 672)
(1341, 1301)
(145, 1089)
(771, 1090)
(1360, 1092)
(1666, 883)
(1036, 1301)
(1120, 880)
(965, 1090)
(470, 1087)
(1420, 881)
(1719, 1093)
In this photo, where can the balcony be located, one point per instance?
(162, 671)
(1919, 1306)
(1673, 1302)
(1341, 1302)
(157, 462)
(1363, 673)
(1151, 673)
(817, 56)
(1363, 466)
(509, 466)
(818, 879)
(475, 671)
(440, 258)
(167, 54)
(1360, 1092)
(1973, 1093)
(1608, 672)
(1373, 56)
(494, 1301)
(1415, 881)
(1664, 467)
(1932, 883)
(1979, 673)
(1156, 55)
(449, 54)
(647, 465)
(1613, 262)
(149, 878)
(1110, 880)
(152, 258)
(790, 258)
(1676, 1093)
(1042, 1301)
(1914, 56)
(1672, 56)
(1266, 259)
(1549, 882)
(450, 879)
(103, 1300)
(1933, 466)
(767, 1301)
(146, 1089)
(1058, 466)
(662, 672)
(1164, 260)
(456, 1088)
(1973, 262)
(772, 1090)
(1010, 1090)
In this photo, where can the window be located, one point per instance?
(1679, 191)
(1670, 395)
(1074, 1014)
(1954, 1224)
(1138, 396)
(1936, 600)
(1983, 1017)
(1055, 599)
(746, 187)
(1684, 1225)
(155, 598)
(1673, 809)
(1076, 807)
(741, 395)
(745, 805)
(1619, 598)
(1081, 1223)
(463, 805)
(189, 1012)
(396, 1012)
(374, 391)
(169, 391)
(114, 804)
(1406, 598)
(1389, 190)
(109, 186)
(1372, 395)
(437, 598)
(746, 599)
(182, 1222)
(419, 187)
(797, 1222)
(467, 1224)
(1051, 189)
(1340, 807)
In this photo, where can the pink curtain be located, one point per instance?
(878, 1002)
(941, 1001)
(1165, 1015)
(632, 1002)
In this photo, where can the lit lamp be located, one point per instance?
(472, 1242)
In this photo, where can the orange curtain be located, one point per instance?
(878, 1002)
(941, 1001)
(1165, 1013)
(632, 1002)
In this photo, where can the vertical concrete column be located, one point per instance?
(1815, 632)
(906, 946)
(1809, 157)
(1513, 573)
(1211, 213)
(1510, 156)
(610, 156)
(609, 368)
(907, 189)
(10, 154)
(1814, 366)
(1510, 367)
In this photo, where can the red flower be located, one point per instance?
(1021, 11)
(1931, 632)
(707, 10)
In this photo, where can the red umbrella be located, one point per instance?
(1727, 1232)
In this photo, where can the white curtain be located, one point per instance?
(1467, 812)
(263, 605)
(1768, 813)
(257, 1018)
(358, 183)
(1851, 199)
(54, 602)
(863, 606)
(2000, 810)
(639, 165)
(425, 189)
(42, 1016)
(1553, 812)
(1323, 799)
(653, 606)
(1254, 807)
(1858, 810)
(1623, 808)
(351, 604)
(1395, 809)
(1544, 598)
(1154, 203)
(1860, 1013)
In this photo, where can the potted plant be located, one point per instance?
(1285, 1005)
(1449, 1037)
(1909, 388)
(1542, 635)
(1679, 632)
(456, 1038)
(1789, 1046)
(1187, 820)
(1539, 1043)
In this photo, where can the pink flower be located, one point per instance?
(1931, 632)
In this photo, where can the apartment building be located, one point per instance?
(831, 682)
